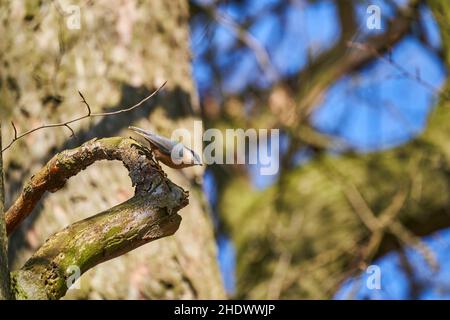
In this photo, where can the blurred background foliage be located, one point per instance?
(364, 152)
(363, 116)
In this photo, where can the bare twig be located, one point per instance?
(71, 130)
(361, 207)
(85, 103)
(261, 54)
(15, 130)
(87, 115)
(415, 76)
(387, 222)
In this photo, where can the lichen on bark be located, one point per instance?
(121, 53)
(149, 215)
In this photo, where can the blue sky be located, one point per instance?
(381, 107)
(394, 281)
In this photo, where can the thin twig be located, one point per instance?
(392, 225)
(72, 134)
(260, 52)
(87, 115)
(85, 103)
(415, 76)
(15, 130)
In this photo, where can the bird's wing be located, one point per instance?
(164, 144)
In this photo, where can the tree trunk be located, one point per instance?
(5, 292)
(121, 52)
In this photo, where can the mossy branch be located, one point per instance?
(149, 215)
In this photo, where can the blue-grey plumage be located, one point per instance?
(162, 143)
(171, 153)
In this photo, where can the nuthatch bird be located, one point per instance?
(171, 153)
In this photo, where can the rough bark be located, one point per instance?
(122, 51)
(5, 292)
(149, 215)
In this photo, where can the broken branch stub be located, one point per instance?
(149, 215)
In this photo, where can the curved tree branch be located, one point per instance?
(53, 176)
(149, 215)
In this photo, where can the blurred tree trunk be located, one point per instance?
(329, 218)
(120, 51)
(4, 272)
